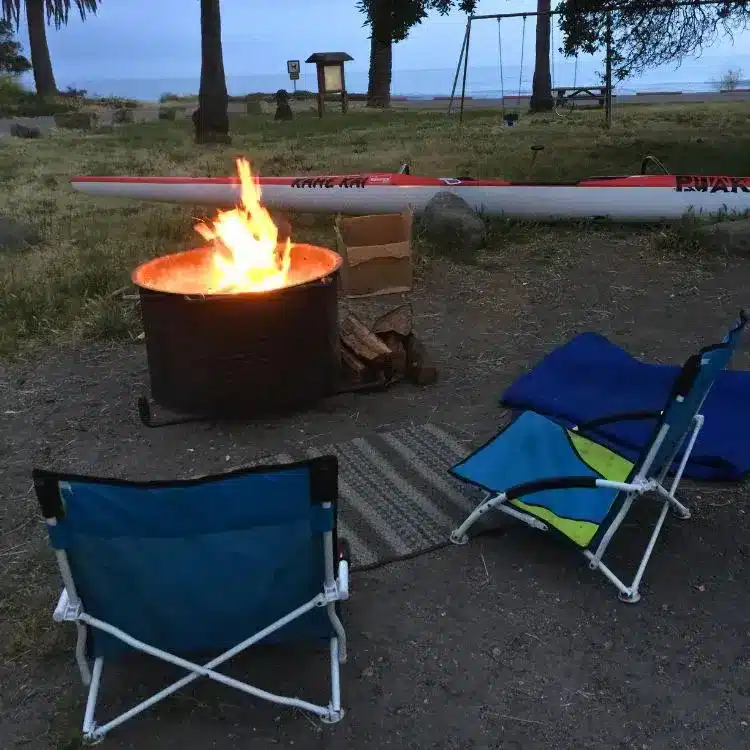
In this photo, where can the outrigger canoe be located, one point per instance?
(626, 198)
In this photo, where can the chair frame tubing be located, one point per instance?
(70, 609)
(639, 485)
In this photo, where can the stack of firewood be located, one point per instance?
(383, 354)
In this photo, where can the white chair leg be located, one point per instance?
(459, 535)
(335, 712)
(630, 594)
(83, 665)
(338, 626)
(90, 735)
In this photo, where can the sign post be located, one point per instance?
(292, 67)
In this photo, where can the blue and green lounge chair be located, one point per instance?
(214, 564)
(557, 479)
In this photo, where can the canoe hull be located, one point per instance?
(633, 198)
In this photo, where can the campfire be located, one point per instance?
(247, 325)
(243, 254)
(244, 325)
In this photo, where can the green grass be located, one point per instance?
(66, 287)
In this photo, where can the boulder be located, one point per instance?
(450, 224)
(16, 236)
(283, 108)
(24, 131)
(731, 236)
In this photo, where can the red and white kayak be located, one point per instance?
(627, 198)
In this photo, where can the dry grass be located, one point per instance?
(66, 286)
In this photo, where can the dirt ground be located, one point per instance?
(510, 642)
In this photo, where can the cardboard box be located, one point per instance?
(377, 254)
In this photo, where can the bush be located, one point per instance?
(114, 102)
(167, 113)
(169, 97)
(16, 101)
(11, 91)
(731, 80)
(73, 93)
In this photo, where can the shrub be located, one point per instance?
(11, 90)
(114, 102)
(167, 113)
(731, 80)
(169, 97)
(73, 93)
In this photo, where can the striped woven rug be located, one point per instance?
(396, 498)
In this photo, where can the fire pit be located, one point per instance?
(244, 326)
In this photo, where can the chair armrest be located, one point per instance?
(568, 483)
(625, 416)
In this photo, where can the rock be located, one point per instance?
(76, 120)
(450, 224)
(122, 116)
(16, 236)
(727, 236)
(24, 131)
(283, 109)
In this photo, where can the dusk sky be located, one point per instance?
(161, 39)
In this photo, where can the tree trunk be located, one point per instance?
(211, 119)
(541, 90)
(381, 55)
(44, 78)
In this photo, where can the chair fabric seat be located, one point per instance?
(196, 566)
(533, 447)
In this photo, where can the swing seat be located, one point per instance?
(559, 479)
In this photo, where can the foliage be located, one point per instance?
(11, 60)
(58, 11)
(731, 80)
(647, 33)
(16, 101)
(409, 13)
(113, 102)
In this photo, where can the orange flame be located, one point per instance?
(247, 256)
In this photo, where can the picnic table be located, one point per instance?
(572, 94)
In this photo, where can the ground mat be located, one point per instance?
(396, 498)
(591, 377)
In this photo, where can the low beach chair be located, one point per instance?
(213, 564)
(554, 478)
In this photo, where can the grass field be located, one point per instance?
(431, 664)
(65, 286)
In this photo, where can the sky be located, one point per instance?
(161, 39)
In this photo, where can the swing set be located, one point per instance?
(565, 97)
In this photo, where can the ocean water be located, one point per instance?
(695, 74)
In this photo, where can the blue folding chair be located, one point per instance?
(554, 478)
(215, 563)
